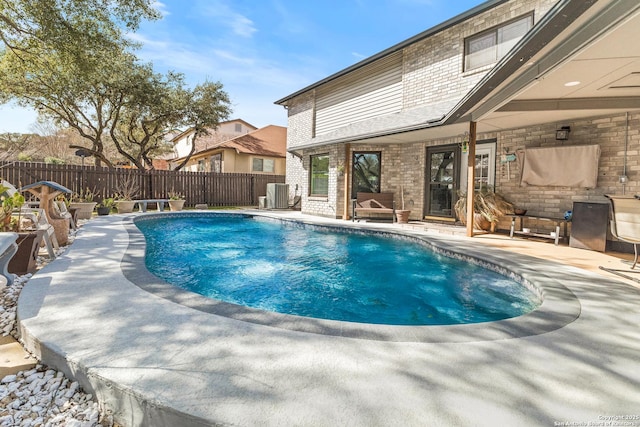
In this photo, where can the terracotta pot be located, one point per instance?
(481, 223)
(176, 205)
(402, 216)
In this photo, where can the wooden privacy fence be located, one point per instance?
(214, 189)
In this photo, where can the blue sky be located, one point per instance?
(263, 50)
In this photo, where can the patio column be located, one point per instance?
(347, 178)
(471, 170)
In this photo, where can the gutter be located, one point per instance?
(552, 24)
(423, 35)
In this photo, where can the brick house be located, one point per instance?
(497, 81)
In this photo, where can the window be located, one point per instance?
(201, 166)
(216, 163)
(482, 171)
(366, 173)
(263, 165)
(238, 127)
(320, 175)
(489, 46)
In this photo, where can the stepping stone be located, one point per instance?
(13, 357)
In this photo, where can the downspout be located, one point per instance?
(471, 170)
(347, 178)
(623, 177)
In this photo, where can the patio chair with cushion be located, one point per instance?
(625, 225)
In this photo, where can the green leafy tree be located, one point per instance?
(155, 103)
(60, 50)
(69, 60)
(206, 107)
(85, 100)
(76, 27)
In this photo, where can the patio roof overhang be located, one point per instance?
(590, 42)
(591, 68)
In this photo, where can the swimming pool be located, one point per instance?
(326, 274)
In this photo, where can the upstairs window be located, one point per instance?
(238, 127)
(319, 175)
(490, 46)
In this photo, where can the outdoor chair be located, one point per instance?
(39, 221)
(625, 225)
(46, 192)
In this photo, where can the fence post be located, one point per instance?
(253, 190)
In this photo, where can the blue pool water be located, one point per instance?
(288, 269)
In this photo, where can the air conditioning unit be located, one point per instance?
(277, 196)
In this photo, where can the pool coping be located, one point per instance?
(150, 361)
(559, 305)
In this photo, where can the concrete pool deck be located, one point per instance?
(156, 362)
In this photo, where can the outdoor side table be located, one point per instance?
(557, 222)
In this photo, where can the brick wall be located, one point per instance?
(432, 72)
(433, 67)
(608, 132)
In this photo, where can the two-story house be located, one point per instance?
(183, 141)
(261, 151)
(498, 81)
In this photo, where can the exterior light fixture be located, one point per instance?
(465, 142)
(562, 134)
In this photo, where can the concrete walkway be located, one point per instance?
(156, 362)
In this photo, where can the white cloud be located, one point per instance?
(358, 56)
(242, 26)
(228, 55)
(161, 7)
(226, 16)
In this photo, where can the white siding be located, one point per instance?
(372, 91)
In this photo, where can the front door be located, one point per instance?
(443, 164)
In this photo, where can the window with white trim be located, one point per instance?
(488, 47)
(319, 175)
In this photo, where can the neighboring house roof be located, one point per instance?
(270, 141)
(175, 137)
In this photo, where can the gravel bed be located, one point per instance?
(41, 396)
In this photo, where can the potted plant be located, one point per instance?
(488, 208)
(105, 206)
(176, 201)
(24, 260)
(83, 203)
(402, 215)
(126, 191)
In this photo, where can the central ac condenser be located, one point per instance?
(277, 196)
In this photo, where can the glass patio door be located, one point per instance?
(443, 164)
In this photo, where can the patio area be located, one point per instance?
(158, 362)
